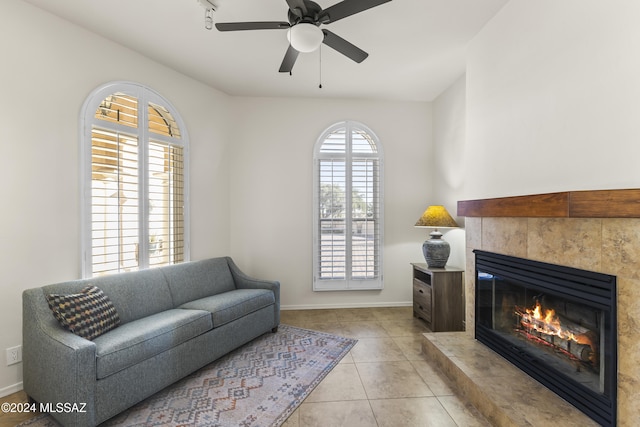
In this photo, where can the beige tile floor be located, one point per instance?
(385, 380)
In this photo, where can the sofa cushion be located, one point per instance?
(88, 314)
(134, 294)
(232, 305)
(190, 281)
(142, 339)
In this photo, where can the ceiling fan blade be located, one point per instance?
(344, 47)
(241, 26)
(297, 7)
(289, 60)
(350, 7)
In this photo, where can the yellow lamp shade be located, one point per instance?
(436, 216)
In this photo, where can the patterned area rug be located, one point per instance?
(259, 384)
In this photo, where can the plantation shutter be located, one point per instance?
(333, 224)
(135, 209)
(166, 204)
(366, 226)
(115, 201)
(347, 189)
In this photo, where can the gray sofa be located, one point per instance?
(173, 321)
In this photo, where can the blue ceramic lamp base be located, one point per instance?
(436, 251)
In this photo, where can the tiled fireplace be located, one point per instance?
(605, 240)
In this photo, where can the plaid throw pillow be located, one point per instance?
(88, 314)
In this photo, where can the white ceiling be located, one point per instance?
(416, 47)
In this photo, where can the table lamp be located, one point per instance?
(435, 250)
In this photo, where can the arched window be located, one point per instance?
(347, 209)
(134, 181)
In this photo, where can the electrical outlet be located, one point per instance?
(14, 355)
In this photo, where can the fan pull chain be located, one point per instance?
(320, 50)
(291, 70)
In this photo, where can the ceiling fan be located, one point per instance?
(304, 33)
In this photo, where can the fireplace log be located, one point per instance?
(575, 339)
(582, 352)
(561, 323)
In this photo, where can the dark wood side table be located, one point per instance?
(438, 297)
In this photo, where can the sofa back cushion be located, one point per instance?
(134, 295)
(190, 281)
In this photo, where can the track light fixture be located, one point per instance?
(209, 7)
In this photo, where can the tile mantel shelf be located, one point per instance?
(568, 204)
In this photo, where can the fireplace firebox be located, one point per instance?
(556, 323)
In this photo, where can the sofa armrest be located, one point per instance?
(58, 366)
(242, 281)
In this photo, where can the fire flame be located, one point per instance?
(547, 323)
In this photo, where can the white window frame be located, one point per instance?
(144, 95)
(348, 282)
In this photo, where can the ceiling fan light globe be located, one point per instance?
(305, 37)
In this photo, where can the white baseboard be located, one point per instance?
(336, 306)
(11, 389)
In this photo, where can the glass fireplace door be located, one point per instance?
(556, 323)
(564, 335)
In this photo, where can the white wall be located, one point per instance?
(250, 158)
(48, 69)
(449, 138)
(271, 191)
(553, 98)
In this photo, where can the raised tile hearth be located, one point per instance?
(505, 395)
